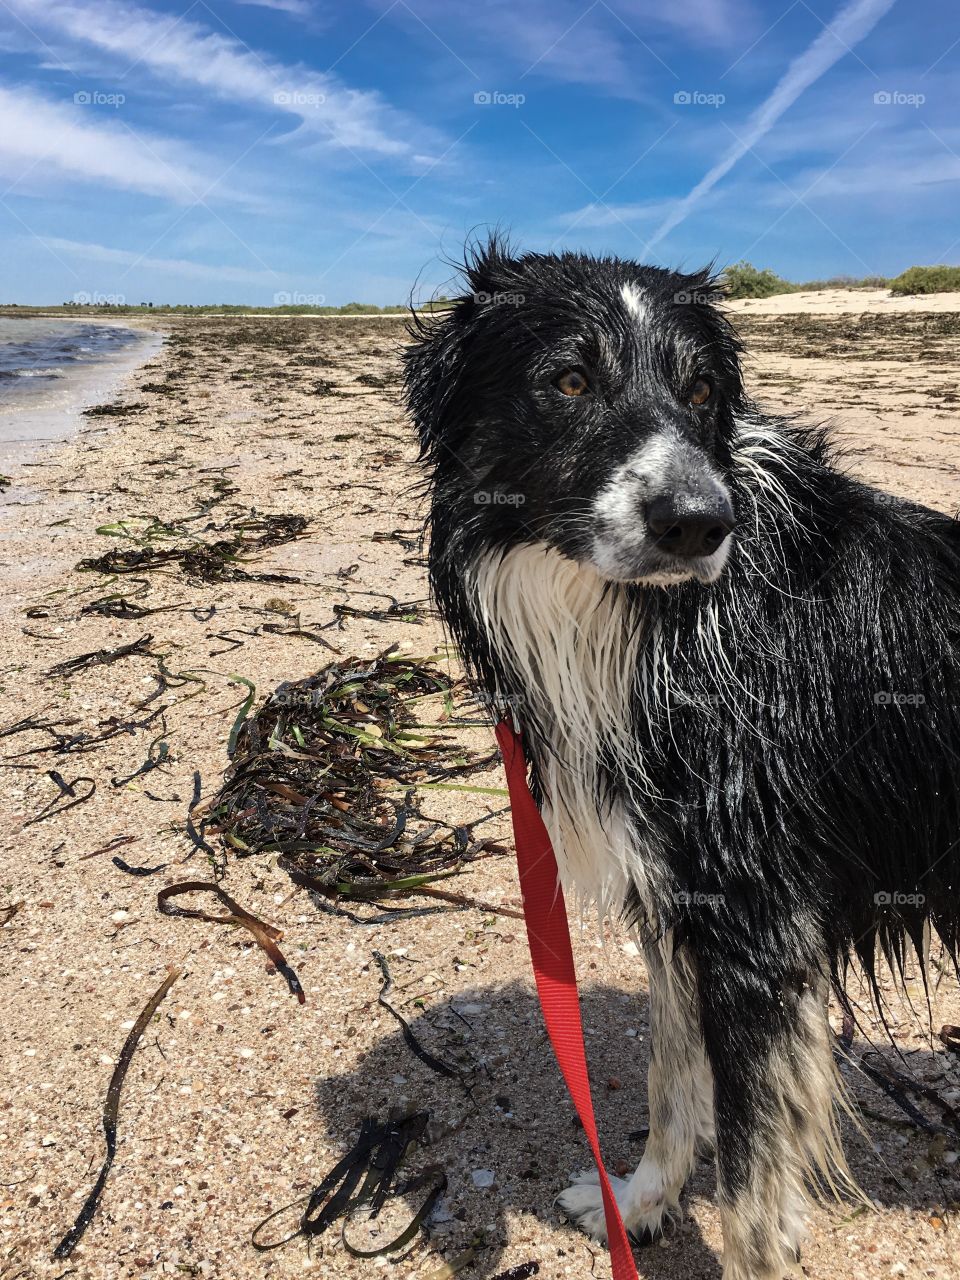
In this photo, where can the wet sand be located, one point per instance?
(239, 1100)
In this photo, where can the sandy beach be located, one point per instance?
(238, 1099)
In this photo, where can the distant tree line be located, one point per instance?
(230, 309)
(744, 280)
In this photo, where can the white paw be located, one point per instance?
(582, 1203)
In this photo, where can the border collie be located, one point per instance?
(737, 673)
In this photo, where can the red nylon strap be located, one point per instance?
(552, 956)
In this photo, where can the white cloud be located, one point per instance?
(855, 21)
(299, 8)
(186, 53)
(42, 139)
(616, 45)
(917, 164)
(181, 267)
(599, 214)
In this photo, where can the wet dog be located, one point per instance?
(737, 671)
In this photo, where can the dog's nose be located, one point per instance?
(689, 528)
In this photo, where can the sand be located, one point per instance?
(832, 302)
(238, 1099)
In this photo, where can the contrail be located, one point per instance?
(848, 28)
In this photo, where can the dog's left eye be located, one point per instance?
(701, 391)
(572, 382)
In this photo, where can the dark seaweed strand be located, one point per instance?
(265, 935)
(111, 1112)
(411, 1040)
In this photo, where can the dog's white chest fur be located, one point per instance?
(573, 650)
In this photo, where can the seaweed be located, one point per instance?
(113, 410)
(896, 1085)
(152, 762)
(118, 606)
(367, 1176)
(397, 611)
(103, 657)
(196, 836)
(311, 772)
(79, 743)
(265, 935)
(411, 1041)
(138, 871)
(275, 629)
(409, 539)
(229, 639)
(111, 1112)
(54, 809)
(218, 561)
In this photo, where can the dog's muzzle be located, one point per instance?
(664, 516)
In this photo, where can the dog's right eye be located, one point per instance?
(572, 382)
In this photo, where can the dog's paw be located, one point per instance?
(582, 1204)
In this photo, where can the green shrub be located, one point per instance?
(844, 282)
(927, 280)
(744, 280)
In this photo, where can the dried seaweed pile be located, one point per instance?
(314, 767)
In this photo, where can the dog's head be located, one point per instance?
(587, 403)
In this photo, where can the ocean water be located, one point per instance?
(50, 370)
(38, 348)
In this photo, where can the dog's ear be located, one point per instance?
(435, 357)
(431, 367)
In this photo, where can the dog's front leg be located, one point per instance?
(680, 1097)
(774, 1091)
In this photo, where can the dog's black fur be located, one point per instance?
(801, 762)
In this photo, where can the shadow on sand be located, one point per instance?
(509, 1140)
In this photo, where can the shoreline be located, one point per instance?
(33, 422)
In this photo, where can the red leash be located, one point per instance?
(552, 955)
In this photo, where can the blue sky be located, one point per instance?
(306, 149)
